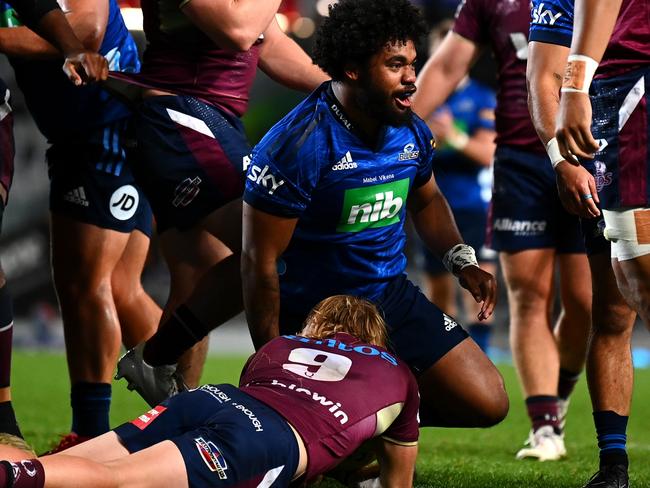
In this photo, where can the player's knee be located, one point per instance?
(528, 300)
(82, 289)
(494, 404)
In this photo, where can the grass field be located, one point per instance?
(449, 458)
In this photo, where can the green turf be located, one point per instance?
(449, 458)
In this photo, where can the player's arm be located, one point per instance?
(265, 237)
(442, 73)
(436, 226)
(396, 464)
(285, 61)
(88, 19)
(544, 72)
(593, 26)
(82, 63)
(479, 147)
(231, 24)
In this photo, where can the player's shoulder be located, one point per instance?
(552, 21)
(296, 133)
(423, 135)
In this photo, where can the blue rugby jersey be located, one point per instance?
(63, 111)
(349, 198)
(552, 22)
(463, 181)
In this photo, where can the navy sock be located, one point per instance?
(175, 336)
(91, 403)
(544, 410)
(566, 383)
(480, 333)
(610, 430)
(8, 422)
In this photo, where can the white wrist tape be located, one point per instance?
(579, 73)
(458, 257)
(553, 151)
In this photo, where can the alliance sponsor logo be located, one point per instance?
(212, 457)
(334, 408)
(520, 227)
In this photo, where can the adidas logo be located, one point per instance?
(78, 196)
(345, 163)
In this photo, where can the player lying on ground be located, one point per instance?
(305, 403)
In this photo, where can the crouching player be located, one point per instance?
(304, 404)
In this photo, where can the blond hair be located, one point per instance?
(345, 313)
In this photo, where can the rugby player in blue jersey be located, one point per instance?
(326, 197)
(100, 221)
(81, 65)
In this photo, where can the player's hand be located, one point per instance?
(577, 190)
(85, 66)
(574, 127)
(483, 287)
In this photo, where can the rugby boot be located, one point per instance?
(612, 476)
(544, 445)
(154, 383)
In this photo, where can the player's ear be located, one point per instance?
(351, 73)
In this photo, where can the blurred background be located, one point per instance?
(24, 243)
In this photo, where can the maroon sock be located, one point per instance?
(543, 410)
(28, 473)
(6, 335)
(566, 383)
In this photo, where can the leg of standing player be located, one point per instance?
(8, 421)
(83, 276)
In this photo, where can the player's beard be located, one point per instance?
(380, 105)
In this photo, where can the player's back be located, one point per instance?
(181, 59)
(336, 393)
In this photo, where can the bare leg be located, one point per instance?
(529, 277)
(463, 389)
(573, 325)
(441, 290)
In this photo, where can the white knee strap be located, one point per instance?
(629, 232)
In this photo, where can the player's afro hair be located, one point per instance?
(357, 29)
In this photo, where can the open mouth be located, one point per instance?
(403, 100)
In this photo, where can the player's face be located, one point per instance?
(388, 82)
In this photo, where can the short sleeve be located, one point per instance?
(470, 22)
(552, 22)
(405, 429)
(283, 172)
(427, 144)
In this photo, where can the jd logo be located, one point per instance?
(124, 202)
(373, 206)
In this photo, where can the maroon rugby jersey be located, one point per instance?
(181, 59)
(629, 46)
(336, 392)
(503, 25)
